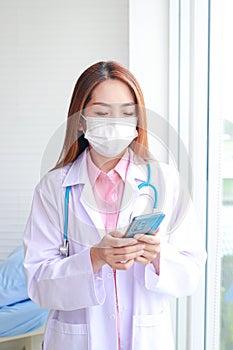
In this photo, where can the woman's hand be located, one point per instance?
(151, 252)
(116, 251)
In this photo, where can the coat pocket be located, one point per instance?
(151, 332)
(60, 336)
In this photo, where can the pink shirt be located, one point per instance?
(108, 190)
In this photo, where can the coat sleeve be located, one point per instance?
(55, 282)
(182, 252)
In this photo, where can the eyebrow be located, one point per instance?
(110, 104)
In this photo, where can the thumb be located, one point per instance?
(117, 234)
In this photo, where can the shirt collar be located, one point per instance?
(77, 171)
(121, 168)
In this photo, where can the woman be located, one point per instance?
(109, 292)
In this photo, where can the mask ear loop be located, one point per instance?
(83, 116)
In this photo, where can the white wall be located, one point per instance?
(149, 29)
(148, 60)
(45, 45)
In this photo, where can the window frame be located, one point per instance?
(191, 112)
(188, 96)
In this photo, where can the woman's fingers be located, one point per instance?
(128, 249)
(116, 255)
(116, 239)
(129, 256)
(152, 248)
(120, 253)
(123, 266)
(142, 260)
(150, 239)
(146, 257)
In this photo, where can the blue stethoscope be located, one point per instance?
(64, 248)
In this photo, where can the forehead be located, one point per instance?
(112, 91)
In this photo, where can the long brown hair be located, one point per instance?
(74, 142)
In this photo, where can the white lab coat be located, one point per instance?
(83, 306)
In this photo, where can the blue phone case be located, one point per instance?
(144, 224)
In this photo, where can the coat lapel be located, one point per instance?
(87, 200)
(78, 175)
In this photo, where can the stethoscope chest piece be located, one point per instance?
(64, 249)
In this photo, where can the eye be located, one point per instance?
(102, 114)
(128, 114)
(128, 111)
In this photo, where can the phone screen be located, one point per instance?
(144, 224)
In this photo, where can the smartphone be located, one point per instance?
(144, 224)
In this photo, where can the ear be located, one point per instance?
(80, 125)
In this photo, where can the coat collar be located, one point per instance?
(78, 174)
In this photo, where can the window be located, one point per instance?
(226, 291)
(197, 64)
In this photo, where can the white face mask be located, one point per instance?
(110, 136)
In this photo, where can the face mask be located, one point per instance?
(110, 136)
